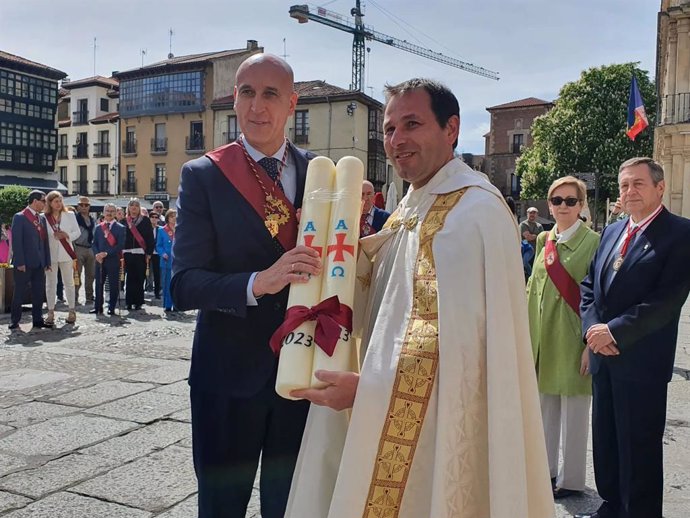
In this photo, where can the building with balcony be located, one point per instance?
(28, 132)
(166, 117)
(88, 153)
(329, 121)
(509, 134)
(672, 133)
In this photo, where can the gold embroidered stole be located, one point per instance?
(416, 372)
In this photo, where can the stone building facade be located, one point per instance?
(672, 134)
(509, 135)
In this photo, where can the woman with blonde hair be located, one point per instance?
(62, 231)
(138, 248)
(563, 256)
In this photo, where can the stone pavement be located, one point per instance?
(94, 421)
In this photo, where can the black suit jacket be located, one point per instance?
(642, 303)
(219, 242)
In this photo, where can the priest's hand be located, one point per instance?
(295, 265)
(338, 395)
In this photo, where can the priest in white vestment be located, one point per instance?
(445, 419)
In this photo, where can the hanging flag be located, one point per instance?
(637, 117)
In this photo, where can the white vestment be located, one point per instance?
(480, 452)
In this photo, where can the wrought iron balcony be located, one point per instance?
(129, 185)
(129, 147)
(80, 118)
(80, 151)
(675, 109)
(159, 185)
(101, 187)
(80, 187)
(101, 149)
(159, 145)
(194, 143)
(62, 152)
(231, 136)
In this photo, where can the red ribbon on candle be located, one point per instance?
(329, 314)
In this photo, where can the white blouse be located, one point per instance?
(68, 223)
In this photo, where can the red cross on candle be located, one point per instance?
(341, 247)
(308, 240)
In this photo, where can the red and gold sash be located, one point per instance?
(565, 284)
(36, 222)
(231, 161)
(109, 237)
(136, 234)
(64, 241)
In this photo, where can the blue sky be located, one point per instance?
(535, 45)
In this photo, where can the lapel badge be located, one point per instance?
(550, 259)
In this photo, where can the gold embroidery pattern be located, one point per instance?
(414, 380)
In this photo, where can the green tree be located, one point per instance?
(585, 131)
(12, 200)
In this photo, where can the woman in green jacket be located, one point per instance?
(563, 256)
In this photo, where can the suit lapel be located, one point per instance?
(607, 248)
(642, 245)
(301, 163)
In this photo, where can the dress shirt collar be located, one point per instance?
(646, 221)
(32, 211)
(258, 155)
(568, 232)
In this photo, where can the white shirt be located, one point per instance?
(642, 224)
(568, 232)
(288, 177)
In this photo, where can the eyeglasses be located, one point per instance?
(84, 204)
(570, 202)
(42, 199)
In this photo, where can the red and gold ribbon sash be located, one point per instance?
(136, 234)
(36, 222)
(231, 161)
(109, 237)
(565, 284)
(65, 242)
(330, 316)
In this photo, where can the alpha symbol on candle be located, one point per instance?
(341, 225)
(310, 227)
(308, 240)
(340, 247)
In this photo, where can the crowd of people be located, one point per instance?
(58, 250)
(471, 393)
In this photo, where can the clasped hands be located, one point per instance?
(600, 341)
(339, 394)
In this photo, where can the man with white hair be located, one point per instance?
(108, 242)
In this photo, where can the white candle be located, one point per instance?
(297, 352)
(341, 259)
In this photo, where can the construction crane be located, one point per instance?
(304, 13)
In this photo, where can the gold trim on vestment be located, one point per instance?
(416, 373)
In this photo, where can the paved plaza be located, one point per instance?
(95, 420)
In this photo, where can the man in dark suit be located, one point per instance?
(631, 303)
(373, 218)
(30, 258)
(108, 242)
(234, 258)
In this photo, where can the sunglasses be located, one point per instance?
(570, 202)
